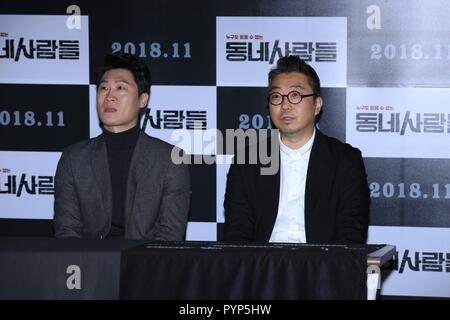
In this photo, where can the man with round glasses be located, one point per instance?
(320, 193)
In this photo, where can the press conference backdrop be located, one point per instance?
(385, 71)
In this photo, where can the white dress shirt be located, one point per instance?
(290, 222)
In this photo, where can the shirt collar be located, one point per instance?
(297, 153)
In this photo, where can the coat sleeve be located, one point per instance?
(354, 201)
(172, 219)
(67, 214)
(239, 216)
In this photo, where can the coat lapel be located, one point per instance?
(269, 194)
(100, 169)
(142, 160)
(318, 179)
(268, 190)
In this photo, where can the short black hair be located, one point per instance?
(290, 64)
(138, 69)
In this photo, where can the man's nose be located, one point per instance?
(285, 104)
(110, 95)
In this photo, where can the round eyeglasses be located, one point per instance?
(294, 97)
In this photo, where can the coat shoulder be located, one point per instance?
(81, 149)
(338, 147)
(164, 149)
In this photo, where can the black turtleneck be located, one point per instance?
(120, 147)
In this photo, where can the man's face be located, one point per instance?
(118, 101)
(294, 120)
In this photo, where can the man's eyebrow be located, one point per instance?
(297, 85)
(118, 80)
(122, 80)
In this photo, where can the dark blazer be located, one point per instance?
(336, 197)
(157, 199)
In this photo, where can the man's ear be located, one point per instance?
(318, 105)
(143, 100)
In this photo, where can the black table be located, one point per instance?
(208, 270)
(48, 268)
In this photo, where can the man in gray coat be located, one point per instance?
(122, 183)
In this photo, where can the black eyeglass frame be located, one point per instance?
(287, 97)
